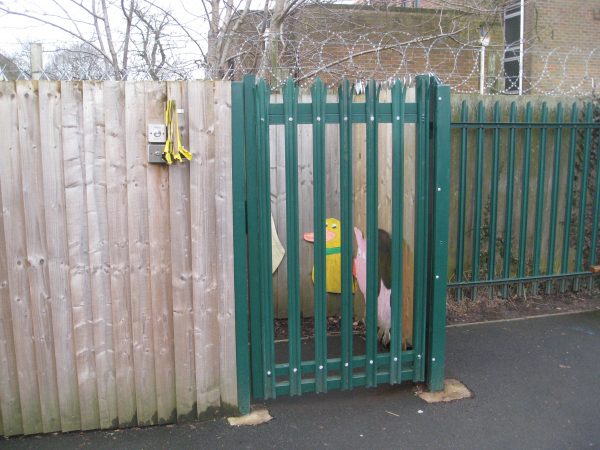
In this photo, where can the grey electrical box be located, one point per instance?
(155, 152)
(157, 133)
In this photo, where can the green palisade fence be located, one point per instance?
(525, 196)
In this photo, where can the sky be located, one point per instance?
(15, 30)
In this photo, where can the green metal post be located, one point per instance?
(254, 288)
(462, 197)
(346, 189)
(587, 143)
(421, 226)
(494, 198)
(290, 105)
(554, 195)
(539, 197)
(319, 93)
(595, 218)
(398, 100)
(525, 196)
(478, 193)
(240, 273)
(439, 242)
(264, 222)
(372, 233)
(509, 199)
(564, 266)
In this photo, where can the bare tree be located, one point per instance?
(78, 61)
(130, 36)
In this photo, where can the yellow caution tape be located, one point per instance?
(171, 152)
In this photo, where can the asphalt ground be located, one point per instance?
(536, 385)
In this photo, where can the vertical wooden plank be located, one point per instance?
(359, 197)
(408, 250)
(305, 212)
(37, 254)
(204, 257)
(181, 268)
(277, 146)
(77, 241)
(118, 244)
(14, 234)
(384, 162)
(160, 265)
(139, 254)
(97, 216)
(58, 255)
(10, 403)
(332, 164)
(224, 227)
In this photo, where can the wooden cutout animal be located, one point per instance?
(384, 286)
(333, 256)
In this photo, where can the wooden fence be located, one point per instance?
(116, 276)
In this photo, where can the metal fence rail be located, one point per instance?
(526, 196)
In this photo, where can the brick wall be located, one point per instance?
(350, 34)
(562, 25)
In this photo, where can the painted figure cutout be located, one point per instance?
(384, 310)
(333, 256)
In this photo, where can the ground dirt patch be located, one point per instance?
(467, 310)
(485, 309)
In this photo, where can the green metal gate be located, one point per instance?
(259, 376)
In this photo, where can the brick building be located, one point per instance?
(382, 39)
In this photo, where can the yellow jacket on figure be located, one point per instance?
(333, 256)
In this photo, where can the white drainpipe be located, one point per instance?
(522, 25)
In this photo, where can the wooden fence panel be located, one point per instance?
(117, 302)
(10, 403)
(139, 254)
(37, 254)
(224, 235)
(58, 255)
(118, 242)
(205, 289)
(77, 238)
(160, 265)
(97, 216)
(16, 256)
(181, 267)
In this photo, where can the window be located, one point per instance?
(512, 48)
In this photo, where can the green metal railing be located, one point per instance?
(525, 197)
(259, 376)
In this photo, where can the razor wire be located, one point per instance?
(380, 56)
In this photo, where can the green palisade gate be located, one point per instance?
(259, 376)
